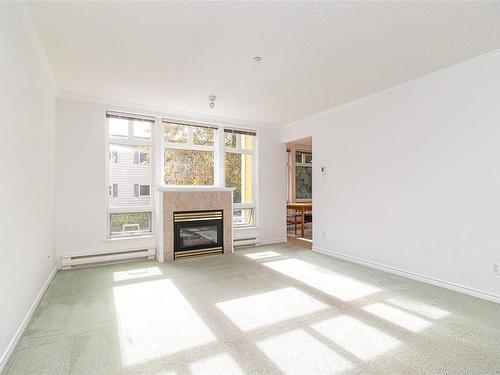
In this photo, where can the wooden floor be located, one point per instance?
(305, 241)
(300, 241)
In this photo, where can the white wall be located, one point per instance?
(81, 161)
(271, 189)
(27, 108)
(414, 176)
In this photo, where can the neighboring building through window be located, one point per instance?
(129, 208)
(239, 173)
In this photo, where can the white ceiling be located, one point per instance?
(301, 142)
(316, 55)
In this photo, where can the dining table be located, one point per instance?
(302, 207)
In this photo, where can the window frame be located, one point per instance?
(190, 146)
(130, 140)
(303, 163)
(253, 152)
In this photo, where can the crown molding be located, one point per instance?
(400, 86)
(30, 28)
(171, 113)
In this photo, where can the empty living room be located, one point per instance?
(250, 187)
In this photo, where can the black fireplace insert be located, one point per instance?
(198, 233)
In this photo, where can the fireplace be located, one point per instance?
(198, 233)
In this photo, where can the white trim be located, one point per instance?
(414, 276)
(245, 227)
(390, 90)
(130, 237)
(187, 146)
(17, 336)
(172, 114)
(194, 188)
(270, 242)
(29, 26)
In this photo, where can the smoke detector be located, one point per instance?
(211, 101)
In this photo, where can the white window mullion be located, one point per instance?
(219, 158)
(130, 130)
(157, 153)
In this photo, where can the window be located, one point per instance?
(130, 211)
(188, 154)
(129, 223)
(193, 155)
(113, 190)
(141, 190)
(243, 217)
(303, 175)
(113, 157)
(142, 157)
(239, 170)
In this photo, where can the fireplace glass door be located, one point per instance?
(198, 236)
(197, 233)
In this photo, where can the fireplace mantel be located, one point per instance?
(195, 199)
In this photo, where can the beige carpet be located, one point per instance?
(267, 310)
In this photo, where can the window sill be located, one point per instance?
(134, 237)
(245, 227)
(194, 188)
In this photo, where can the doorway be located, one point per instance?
(299, 156)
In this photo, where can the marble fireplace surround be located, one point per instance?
(196, 199)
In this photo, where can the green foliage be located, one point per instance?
(142, 219)
(303, 182)
(232, 174)
(189, 167)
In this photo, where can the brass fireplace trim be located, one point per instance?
(195, 216)
(195, 253)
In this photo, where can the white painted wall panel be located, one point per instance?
(413, 176)
(27, 143)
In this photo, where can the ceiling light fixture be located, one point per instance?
(257, 59)
(211, 101)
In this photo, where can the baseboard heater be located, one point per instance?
(90, 259)
(249, 241)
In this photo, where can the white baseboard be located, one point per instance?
(414, 276)
(10, 348)
(270, 242)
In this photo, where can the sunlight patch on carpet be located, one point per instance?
(154, 320)
(263, 255)
(323, 279)
(297, 352)
(218, 364)
(398, 317)
(136, 273)
(418, 307)
(358, 338)
(267, 308)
